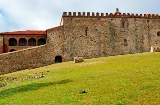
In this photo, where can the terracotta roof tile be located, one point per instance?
(26, 32)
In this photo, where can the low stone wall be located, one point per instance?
(23, 59)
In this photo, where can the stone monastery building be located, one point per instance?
(82, 34)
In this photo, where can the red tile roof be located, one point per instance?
(26, 32)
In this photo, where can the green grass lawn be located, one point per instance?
(116, 80)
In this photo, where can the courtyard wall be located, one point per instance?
(23, 59)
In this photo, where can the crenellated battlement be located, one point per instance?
(110, 15)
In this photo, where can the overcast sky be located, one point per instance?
(44, 14)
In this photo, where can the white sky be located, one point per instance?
(43, 14)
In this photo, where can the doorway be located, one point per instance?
(58, 59)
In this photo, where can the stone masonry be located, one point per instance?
(31, 57)
(113, 34)
(89, 35)
(1, 44)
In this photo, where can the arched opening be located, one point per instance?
(158, 33)
(125, 42)
(12, 42)
(41, 41)
(58, 59)
(12, 50)
(22, 42)
(123, 25)
(32, 42)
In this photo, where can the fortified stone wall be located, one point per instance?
(1, 44)
(23, 59)
(112, 34)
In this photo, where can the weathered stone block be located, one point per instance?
(78, 59)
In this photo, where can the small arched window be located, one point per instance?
(125, 42)
(123, 24)
(12, 42)
(158, 33)
(86, 30)
(22, 42)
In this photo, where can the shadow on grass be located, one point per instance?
(30, 87)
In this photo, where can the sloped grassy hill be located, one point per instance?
(118, 80)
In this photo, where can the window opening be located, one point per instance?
(12, 42)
